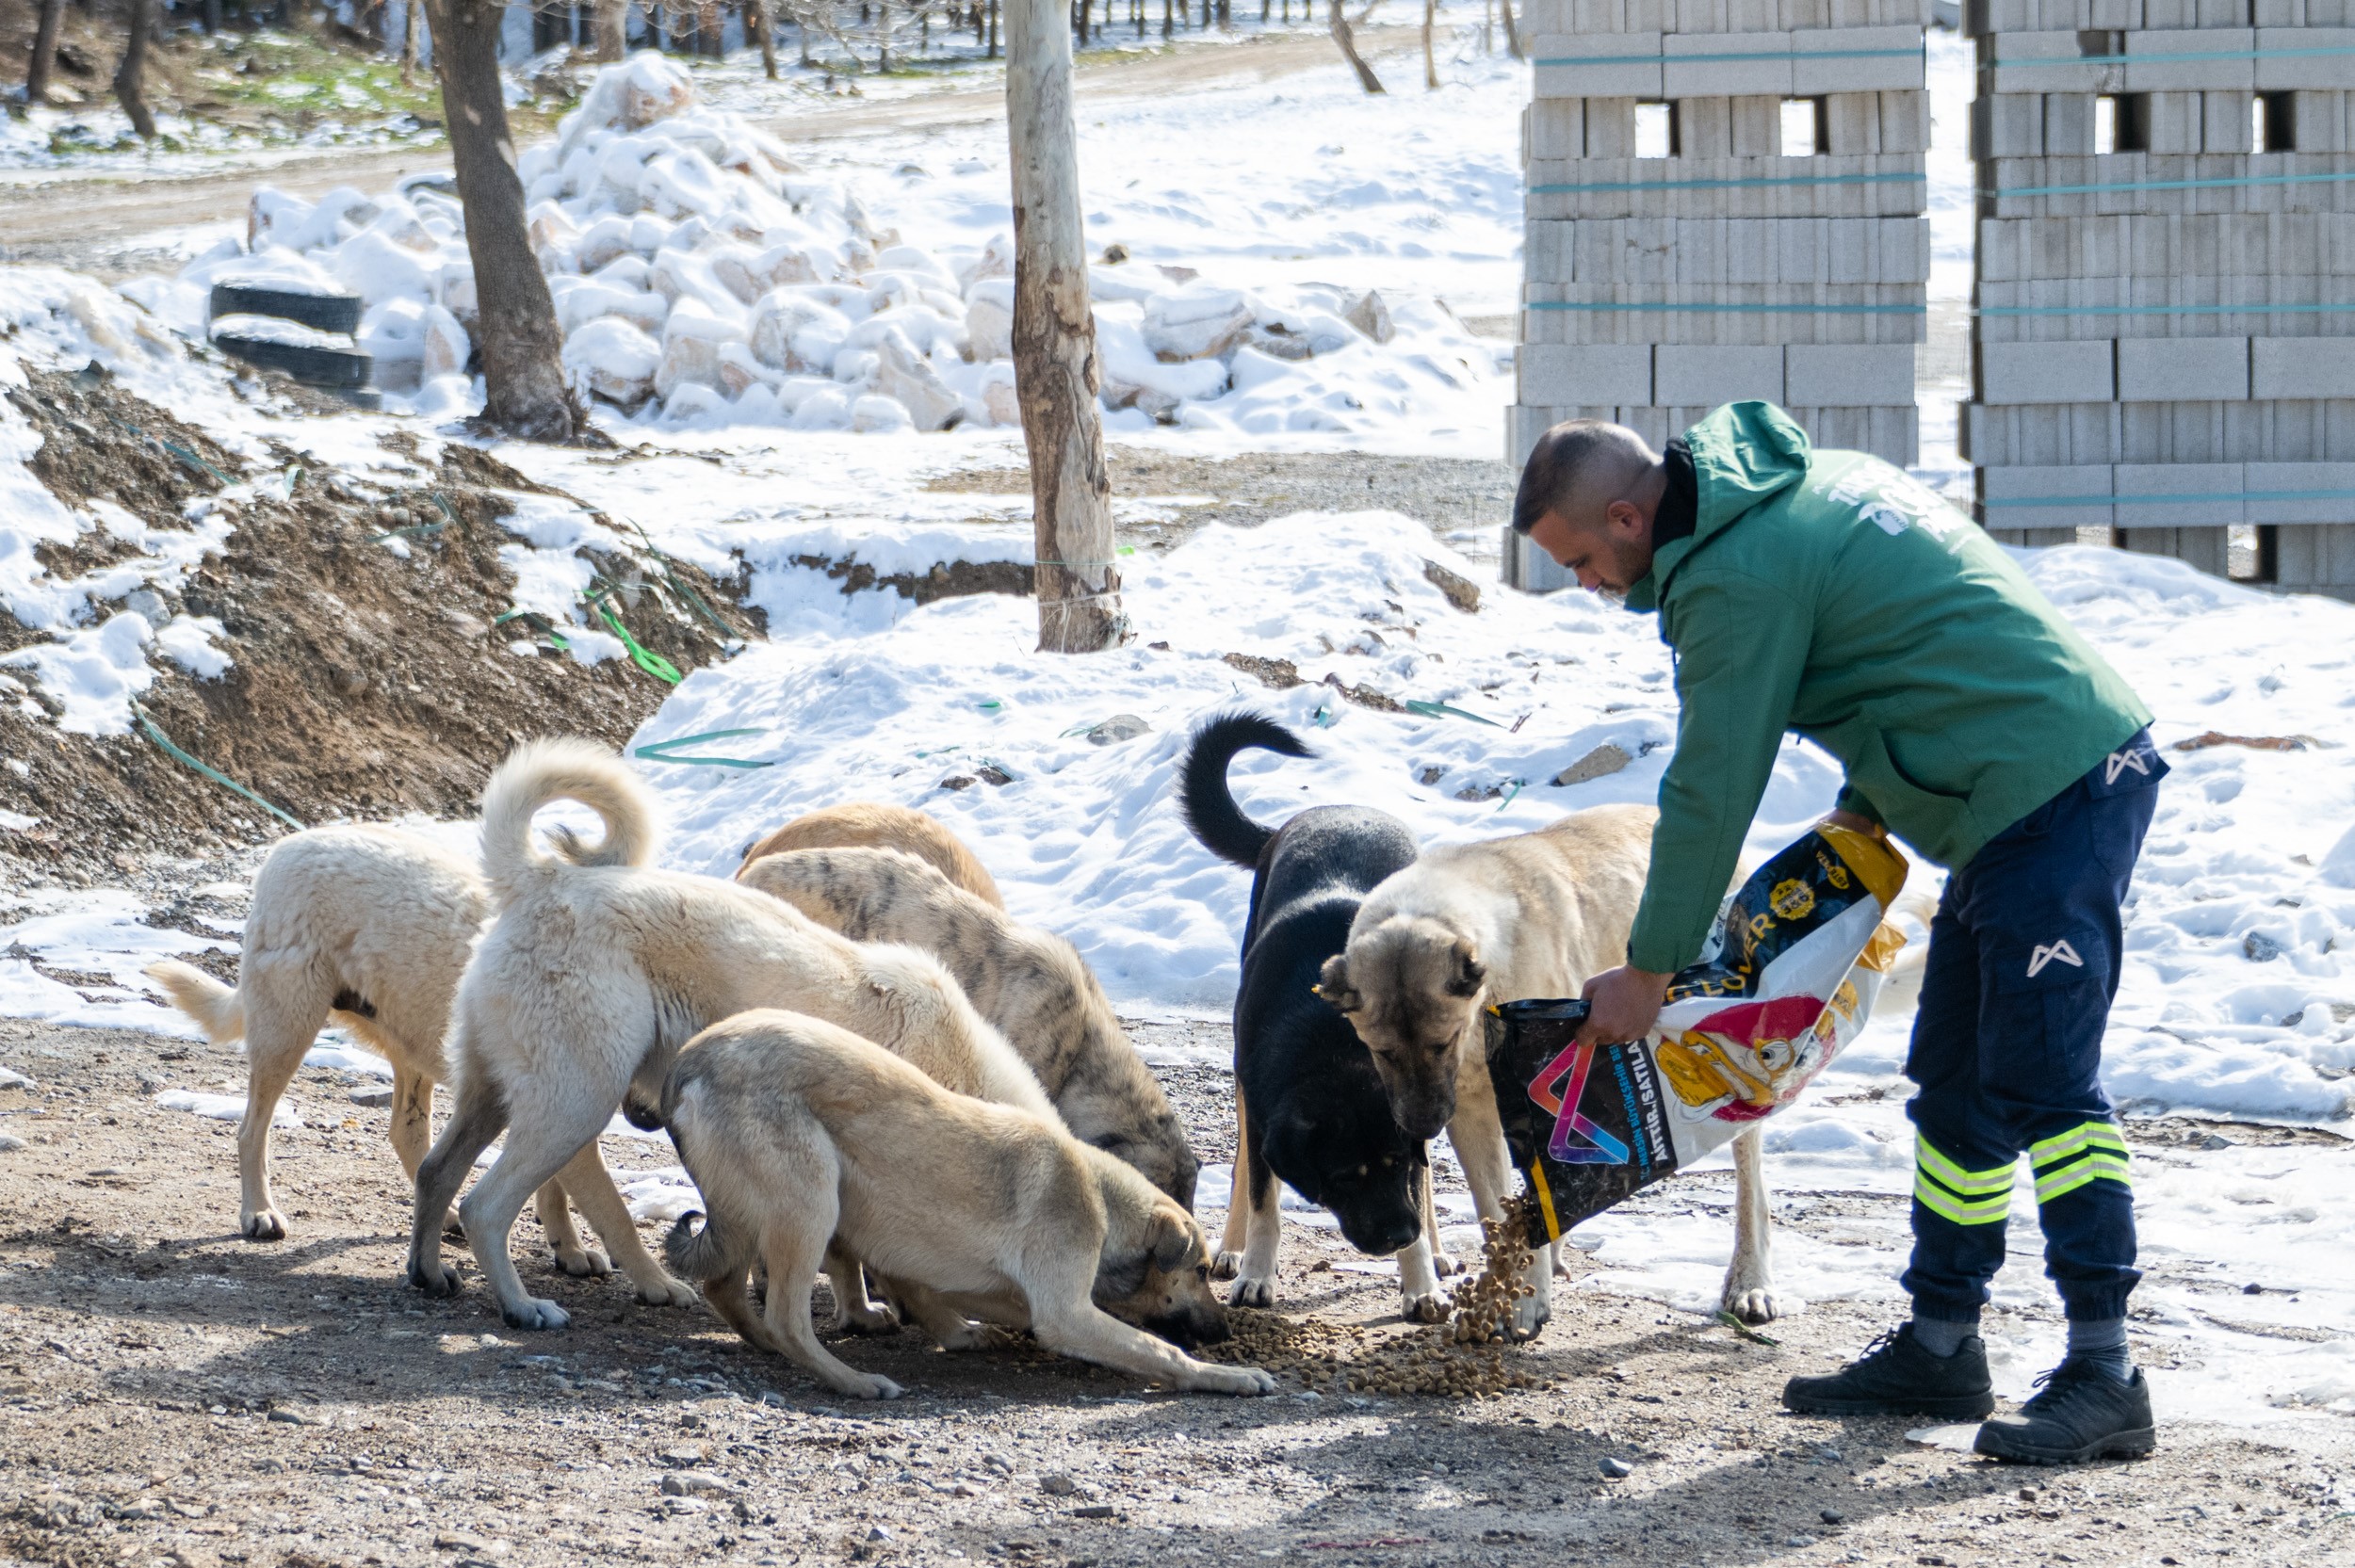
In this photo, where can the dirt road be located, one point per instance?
(169, 1394)
(90, 224)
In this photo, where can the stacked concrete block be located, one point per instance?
(2164, 338)
(1703, 260)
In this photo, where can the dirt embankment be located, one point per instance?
(364, 681)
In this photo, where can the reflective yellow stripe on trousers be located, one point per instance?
(2090, 1151)
(1965, 1197)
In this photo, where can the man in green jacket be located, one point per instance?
(1828, 593)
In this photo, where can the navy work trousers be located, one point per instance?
(2023, 965)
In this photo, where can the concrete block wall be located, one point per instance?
(2165, 334)
(1660, 286)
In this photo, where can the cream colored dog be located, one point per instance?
(597, 970)
(799, 1133)
(365, 926)
(1535, 915)
(865, 825)
(1030, 983)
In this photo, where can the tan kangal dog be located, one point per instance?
(365, 926)
(1030, 983)
(799, 1134)
(597, 970)
(1535, 915)
(866, 825)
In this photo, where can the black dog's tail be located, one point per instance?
(1209, 806)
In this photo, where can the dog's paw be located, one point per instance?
(666, 1292)
(861, 1386)
(1444, 1264)
(1252, 1293)
(1529, 1316)
(874, 1317)
(536, 1313)
(1755, 1304)
(583, 1262)
(970, 1336)
(452, 1226)
(435, 1278)
(1424, 1306)
(1227, 1265)
(262, 1224)
(1208, 1378)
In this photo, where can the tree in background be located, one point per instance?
(613, 28)
(1056, 378)
(1348, 40)
(44, 50)
(516, 335)
(129, 76)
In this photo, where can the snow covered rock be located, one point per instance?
(1195, 323)
(1370, 315)
(615, 360)
(989, 319)
(915, 385)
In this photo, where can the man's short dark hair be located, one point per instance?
(1573, 460)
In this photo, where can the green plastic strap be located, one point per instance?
(2175, 499)
(2163, 310)
(215, 774)
(192, 459)
(652, 663)
(1914, 52)
(1731, 309)
(1727, 184)
(537, 621)
(663, 751)
(1435, 710)
(2341, 177)
(1511, 790)
(412, 529)
(2171, 56)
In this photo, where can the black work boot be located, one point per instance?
(1896, 1376)
(2084, 1413)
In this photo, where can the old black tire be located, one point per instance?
(329, 313)
(315, 366)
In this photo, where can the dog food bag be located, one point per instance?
(1789, 976)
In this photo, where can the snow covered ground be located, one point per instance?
(2239, 999)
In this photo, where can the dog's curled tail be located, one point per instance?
(707, 1254)
(218, 1011)
(1209, 805)
(541, 772)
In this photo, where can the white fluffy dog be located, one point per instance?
(368, 927)
(596, 971)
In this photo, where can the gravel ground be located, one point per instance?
(174, 1395)
(1467, 501)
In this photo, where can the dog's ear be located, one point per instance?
(1171, 1240)
(1333, 985)
(1465, 970)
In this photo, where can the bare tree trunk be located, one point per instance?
(128, 73)
(409, 31)
(612, 30)
(883, 38)
(1342, 36)
(992, 31)
(45, 52)
(1056, 377)
(1430, 67)
(527, 395)
(757, 17)
(1512, 30)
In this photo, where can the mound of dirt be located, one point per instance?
(365, 683)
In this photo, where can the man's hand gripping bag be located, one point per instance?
(1788, 978)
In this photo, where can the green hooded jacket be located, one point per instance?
(1830, 594)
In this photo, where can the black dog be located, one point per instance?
(1312, 1110)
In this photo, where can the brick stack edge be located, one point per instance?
(1841, 228)
(2109, 389)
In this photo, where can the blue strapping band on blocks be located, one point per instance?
(1731, 309)
(1759, 180)
(2164, 310)
(2168, 57)
(1748, 54)
(2339, 177)
(2222, 496)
